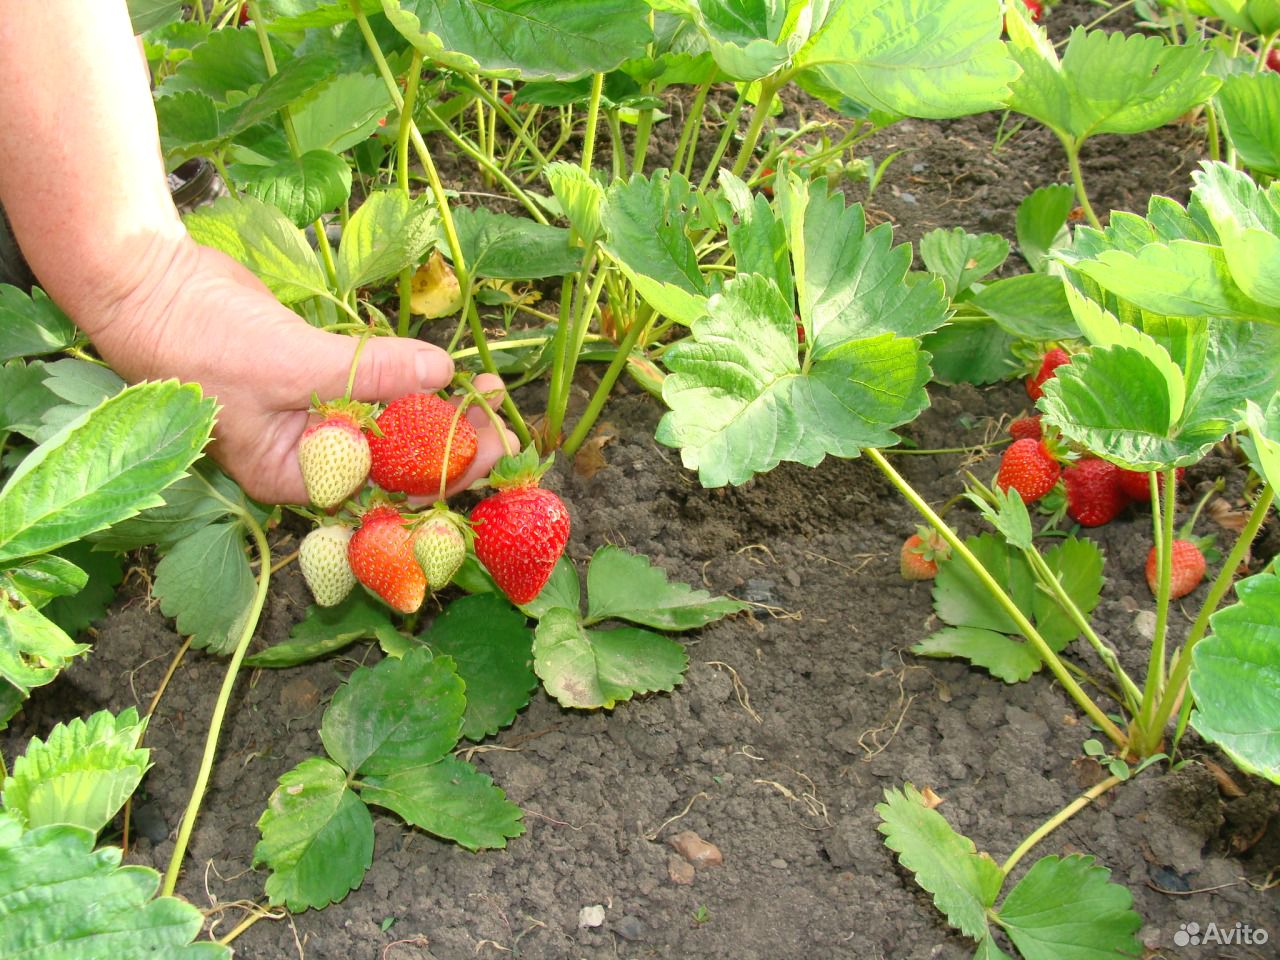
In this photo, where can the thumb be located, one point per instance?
(387, 368)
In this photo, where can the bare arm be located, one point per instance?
(82, 179)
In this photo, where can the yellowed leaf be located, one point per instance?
(434, 291)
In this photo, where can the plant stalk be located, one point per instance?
(1164, 509)
(402, 178)
(1051, 659)
(1077, 177)
(220, 705)
(593, 121)
(1057, 820)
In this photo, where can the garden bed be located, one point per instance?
(793, 718)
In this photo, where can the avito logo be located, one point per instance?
(1241, 934)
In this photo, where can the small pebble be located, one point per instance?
(697, 851)
(629, 928)
(680, 871)
(778, 863)
(906, 197)
(592, 916)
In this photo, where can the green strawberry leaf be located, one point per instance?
(1030, 306)
(1004, 657)
(33, 649)
(32, 325)
(561, 590)
(970, 351)
(492, 646)
(504, 247)
(77, 611)
(646, 224)
(1247, 220)
(264, 240)
(317, 837)
(742, 400)
(303, 187)
(191, 503)
(325, 630)
(961, 600)
(1077, 562)
(1105, 82)
(625, 586)
(343, 113)
(852, 283)
(1247, 102)
(987, 950)
(756, 236)
(909, 57)
(402, 712)
(291, 15)
(562, 39)
(42, 579)
(1234, 673)
(24, 397)
(1066, 909)
(205, 583)
(1041, 222)
(388, 233)
(963, 882)
(106, 465)
(59, 897)
(748, 40)
(960, 257)
(449, 798)
(1262, 442)
(228, 63)
(580, 196)
(598, 668)
(148, 15)
(81, 774)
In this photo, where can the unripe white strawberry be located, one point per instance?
(440, 548)
(323, 559)
(334, 457)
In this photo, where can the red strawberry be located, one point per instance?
(520, 531)
(508, 97)
(1273, 59)
(1035, 8)
(381, 556)
(1094, 495)
(1186, 569)
(440, 547)
(244, 15)
(920, 554)
(422, 437)
(1030, 468)
(1048, 365)
(1136, 485)
(322, 557)
(334, 454)
(1023, 427)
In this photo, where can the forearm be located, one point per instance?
(81, 175)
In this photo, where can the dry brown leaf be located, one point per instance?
(931, 800)
(1225, 515)
(1226, 786)
(434, 291)
(590, 460)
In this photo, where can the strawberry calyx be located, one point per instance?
(360, 414)
(522, 469)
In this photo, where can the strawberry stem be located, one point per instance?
(448, 441)
(224, 694)
(483, 399)
(1163, 510)
(355, 362)
(1046, 653)
(1057, 820)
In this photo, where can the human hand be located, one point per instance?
(203, 318)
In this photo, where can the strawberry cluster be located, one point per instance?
(418, 446)
(1095, 491)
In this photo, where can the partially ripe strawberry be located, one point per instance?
(1030, 468)
(1094, 495)
(440, 547)
(1023, 427)
(381, 556)
(520, 531)
(920, 554)
(334, 455)
(1051, 361)
(1187, 568)
(1136, 483)
(422, 437)
(322, 558)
